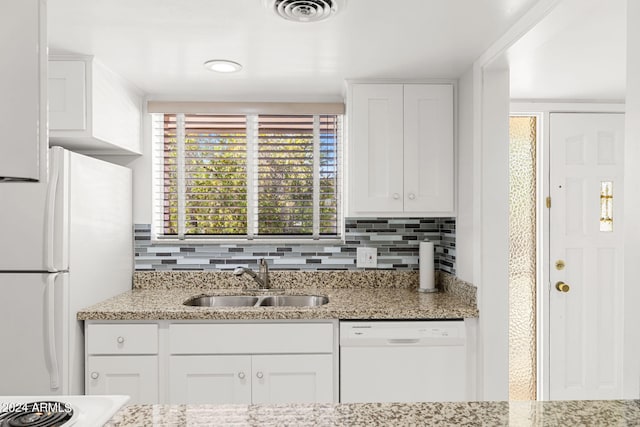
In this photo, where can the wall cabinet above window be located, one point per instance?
(400, 150)
(92, 110)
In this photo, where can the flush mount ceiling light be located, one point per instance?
(305, 10)
(222, 66)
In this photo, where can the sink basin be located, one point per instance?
(223, 301)
(254, 301)
(293, 301)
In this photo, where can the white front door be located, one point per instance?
(586, 255)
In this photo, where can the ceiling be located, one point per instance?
(160, 45)
(577, 53)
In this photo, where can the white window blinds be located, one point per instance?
(254, 176)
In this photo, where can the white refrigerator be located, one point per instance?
(65, 244)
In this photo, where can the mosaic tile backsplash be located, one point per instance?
(396, 240)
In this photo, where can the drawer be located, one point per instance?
(252, 338)
(122, 339)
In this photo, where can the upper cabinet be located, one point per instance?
(91, 109)
(23, 90)
(400, 150)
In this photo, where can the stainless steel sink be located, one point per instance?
(223, 301)
(257, 301)
(294, 301)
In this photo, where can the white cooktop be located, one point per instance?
(91, 410)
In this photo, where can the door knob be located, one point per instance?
(562, 287)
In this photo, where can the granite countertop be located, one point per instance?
(515, 413)
(352, 295)
(167, 304)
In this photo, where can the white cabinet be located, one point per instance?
(252, 363)
(135, 376)
(210, 379)
(400, 150)
(213, 362)
(292, 378)
(251, 379)
(23, 89)
(122, 359)
(91, 109)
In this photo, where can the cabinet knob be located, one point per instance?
(120, 340)
(259, 374)
(94, 375)
(396, 196)
(241, 375)
(412, 196)
(562, 287)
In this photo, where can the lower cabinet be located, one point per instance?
(122, 358)
(135, 376)
(251, 379)
(213, 362)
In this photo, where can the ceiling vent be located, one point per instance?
(305, 10)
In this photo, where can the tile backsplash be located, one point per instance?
(396, 240)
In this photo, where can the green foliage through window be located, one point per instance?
(248, 176)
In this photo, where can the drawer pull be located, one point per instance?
(241, 375)
(120, 340)
(403, 341)
(259, 374)
(94, 375)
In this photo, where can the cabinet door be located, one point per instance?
(292, 379)
(375, 149)
(67, 95)
(135, 376)
(209, 379)
(428, 149)
(23, 112)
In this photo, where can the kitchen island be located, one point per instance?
(516, 413)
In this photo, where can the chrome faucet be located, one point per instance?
(262, 278)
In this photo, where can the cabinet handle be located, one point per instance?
(412, 196)
(259, 374)
(241, 375)
(396, 196)
(120, 340)
(94, 375)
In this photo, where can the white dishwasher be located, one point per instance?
(403, 361)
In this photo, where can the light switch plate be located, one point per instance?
(367, 257)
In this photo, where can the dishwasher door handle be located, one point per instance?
(403, 340)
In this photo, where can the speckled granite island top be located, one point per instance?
(357, 295)
(522, 414)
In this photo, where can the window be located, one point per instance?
(247, 176)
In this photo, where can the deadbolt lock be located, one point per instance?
(559, 264)
(562, 287)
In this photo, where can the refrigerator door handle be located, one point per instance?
(50, 330)
(50, 213)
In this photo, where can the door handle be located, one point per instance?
(51, 357)
(562, 287)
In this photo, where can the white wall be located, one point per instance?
(494, 254)
(142, 173)
(482, 226)
(465, 237)
(632, 206)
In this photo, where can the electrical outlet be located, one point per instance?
(367, 257)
